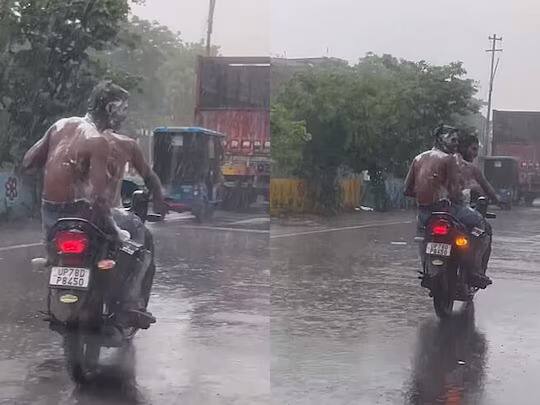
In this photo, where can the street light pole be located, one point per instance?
(488, 142)
(210, 27)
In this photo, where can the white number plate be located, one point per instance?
(69, 277)
(438, 249)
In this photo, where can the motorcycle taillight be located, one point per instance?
(440, 227)
(71, 242)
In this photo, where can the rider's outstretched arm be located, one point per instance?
(486, 186)
(151, 179)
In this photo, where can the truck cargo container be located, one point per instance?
(517, 134)
(233, 98)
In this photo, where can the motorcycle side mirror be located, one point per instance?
(482, 205)
(128, 188)
(139, 204)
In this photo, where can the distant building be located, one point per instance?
(308, 62)
(518, 127)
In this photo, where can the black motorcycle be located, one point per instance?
(86, 275)
(444, 245)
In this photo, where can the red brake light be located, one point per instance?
(440, 228)
(73, 243)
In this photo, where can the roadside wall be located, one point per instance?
(289, 195)
(16, 196)
(394, 193)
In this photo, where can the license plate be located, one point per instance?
(69, 277)
(438, 249)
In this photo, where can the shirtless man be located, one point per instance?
(435, 175)
(472, 177)
(84, 161)
(474, 182)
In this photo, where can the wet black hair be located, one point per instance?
(466, 140)
(444, 129)
(439, 132)
(104, 93)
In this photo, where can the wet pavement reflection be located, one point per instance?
(449, 361)
(116, 382)
(350, 323)
(209, 346)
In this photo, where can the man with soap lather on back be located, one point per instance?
(84, 160)
(435, 175)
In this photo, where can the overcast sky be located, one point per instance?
(435, 30)
(241, 27)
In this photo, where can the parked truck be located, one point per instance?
(233, 98)
(517, 134)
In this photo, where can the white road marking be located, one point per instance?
(174, 217)
(13, 247)
(225, 229)
(243, 230)
(259, 220)
(345, 228)
(211, 228)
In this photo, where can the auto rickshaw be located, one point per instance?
(503, 174)
(188, 162)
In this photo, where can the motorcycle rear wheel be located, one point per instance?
(443, 298)
(443, 305)
(82, 357)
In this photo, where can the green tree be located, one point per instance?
(407, 100)
(162, 68)
(46, 70)
(376, 115)
(317, 98)
(289, 138)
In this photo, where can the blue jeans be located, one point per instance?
(52, 212)
(464, 214)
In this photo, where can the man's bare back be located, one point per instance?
(84, 159)
(74, 147)
(431, 177)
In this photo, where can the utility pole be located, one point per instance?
(488, 134)
(210, 27)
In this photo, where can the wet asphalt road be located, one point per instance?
(210, 345)
(351, 325)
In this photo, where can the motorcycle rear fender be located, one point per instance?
(68, 313)
(87, 305)
(433, 270)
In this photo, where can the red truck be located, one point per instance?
(517, 134)
(233, 98)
